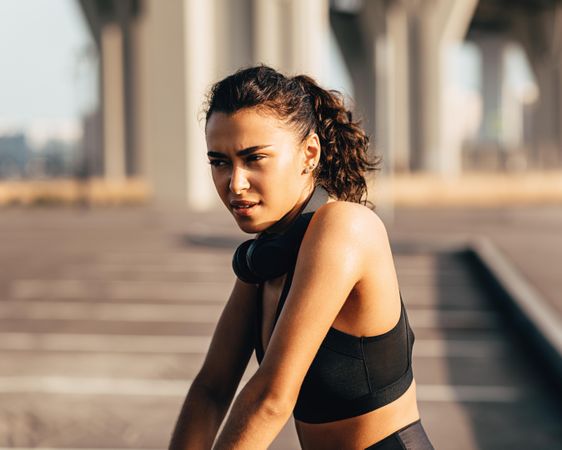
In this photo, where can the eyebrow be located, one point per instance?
(243, 152)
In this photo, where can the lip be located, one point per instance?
(238, 207)
(236, 203)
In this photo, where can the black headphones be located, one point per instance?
(271, 255)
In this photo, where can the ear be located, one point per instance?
(311, 151)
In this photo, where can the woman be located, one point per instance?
(316, 293)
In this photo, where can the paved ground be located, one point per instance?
(106, 315)
(530, 237)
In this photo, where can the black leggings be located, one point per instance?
(410, 437)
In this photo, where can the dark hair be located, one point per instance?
(301, 102)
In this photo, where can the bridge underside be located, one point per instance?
(158, 58)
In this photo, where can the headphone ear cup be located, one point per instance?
(240, 263)
(256, 260)
(271, 255)
(269, 259)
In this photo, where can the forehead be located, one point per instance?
(245, 127)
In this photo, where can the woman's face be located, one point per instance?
(257, 161)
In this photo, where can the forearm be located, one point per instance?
(253, 422)
(198, 422)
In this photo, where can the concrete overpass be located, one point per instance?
(158, 59)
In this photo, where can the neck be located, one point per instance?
(285, 222)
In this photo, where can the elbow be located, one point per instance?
(276, 406)
(273, 402)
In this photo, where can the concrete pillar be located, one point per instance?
(353, 34)
(199, 72)
(176, 66)
(438, 26)
(292, 35)
(547, 120)
(267, 32)
(386, 27)
(398, 89)
(233, 25)
(383, 83)
(411, 44)
(513, 100)
(139, 92)
(162, 114)
(113, 101)
(379, 48)
(541, 37)
(491, 49)
(310, 34)
(125, 11)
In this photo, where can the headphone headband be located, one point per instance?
(270, 256)
(319, 197)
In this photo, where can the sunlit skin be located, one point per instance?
(258, 158)
(344, 277)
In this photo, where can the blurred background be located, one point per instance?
(115, 249)
(107, 94)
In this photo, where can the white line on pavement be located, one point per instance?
(160, 312)
(107, 343)
(93, 386)
(440, 348)
(137, 268)
(119, 290)
(164, 388)
(438, 318)
(129, 312)
(460, 393)
(67, 448)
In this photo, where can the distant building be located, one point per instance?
(54, 158)
(91, 161)
(14, 156)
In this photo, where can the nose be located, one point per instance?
(238, 180)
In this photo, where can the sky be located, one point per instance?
(44, 75)
(48, 81)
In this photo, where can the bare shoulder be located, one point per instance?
(353, 222)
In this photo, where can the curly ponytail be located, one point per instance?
(301, 102)
(344, 159)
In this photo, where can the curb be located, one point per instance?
(534, 317)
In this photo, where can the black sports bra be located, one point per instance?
(349, 375)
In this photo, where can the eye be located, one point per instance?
(255, 157)
(217, 162)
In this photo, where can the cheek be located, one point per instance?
(220, 180)
(288, 164)
(216, 179)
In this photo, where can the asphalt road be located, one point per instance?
(106, 315)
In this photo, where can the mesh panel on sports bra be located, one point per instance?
(351, 375)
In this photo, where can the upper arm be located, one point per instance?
(232, 344)
(334, 255)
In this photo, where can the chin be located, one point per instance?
(247, 226)
(251, 227)
(248, 230)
